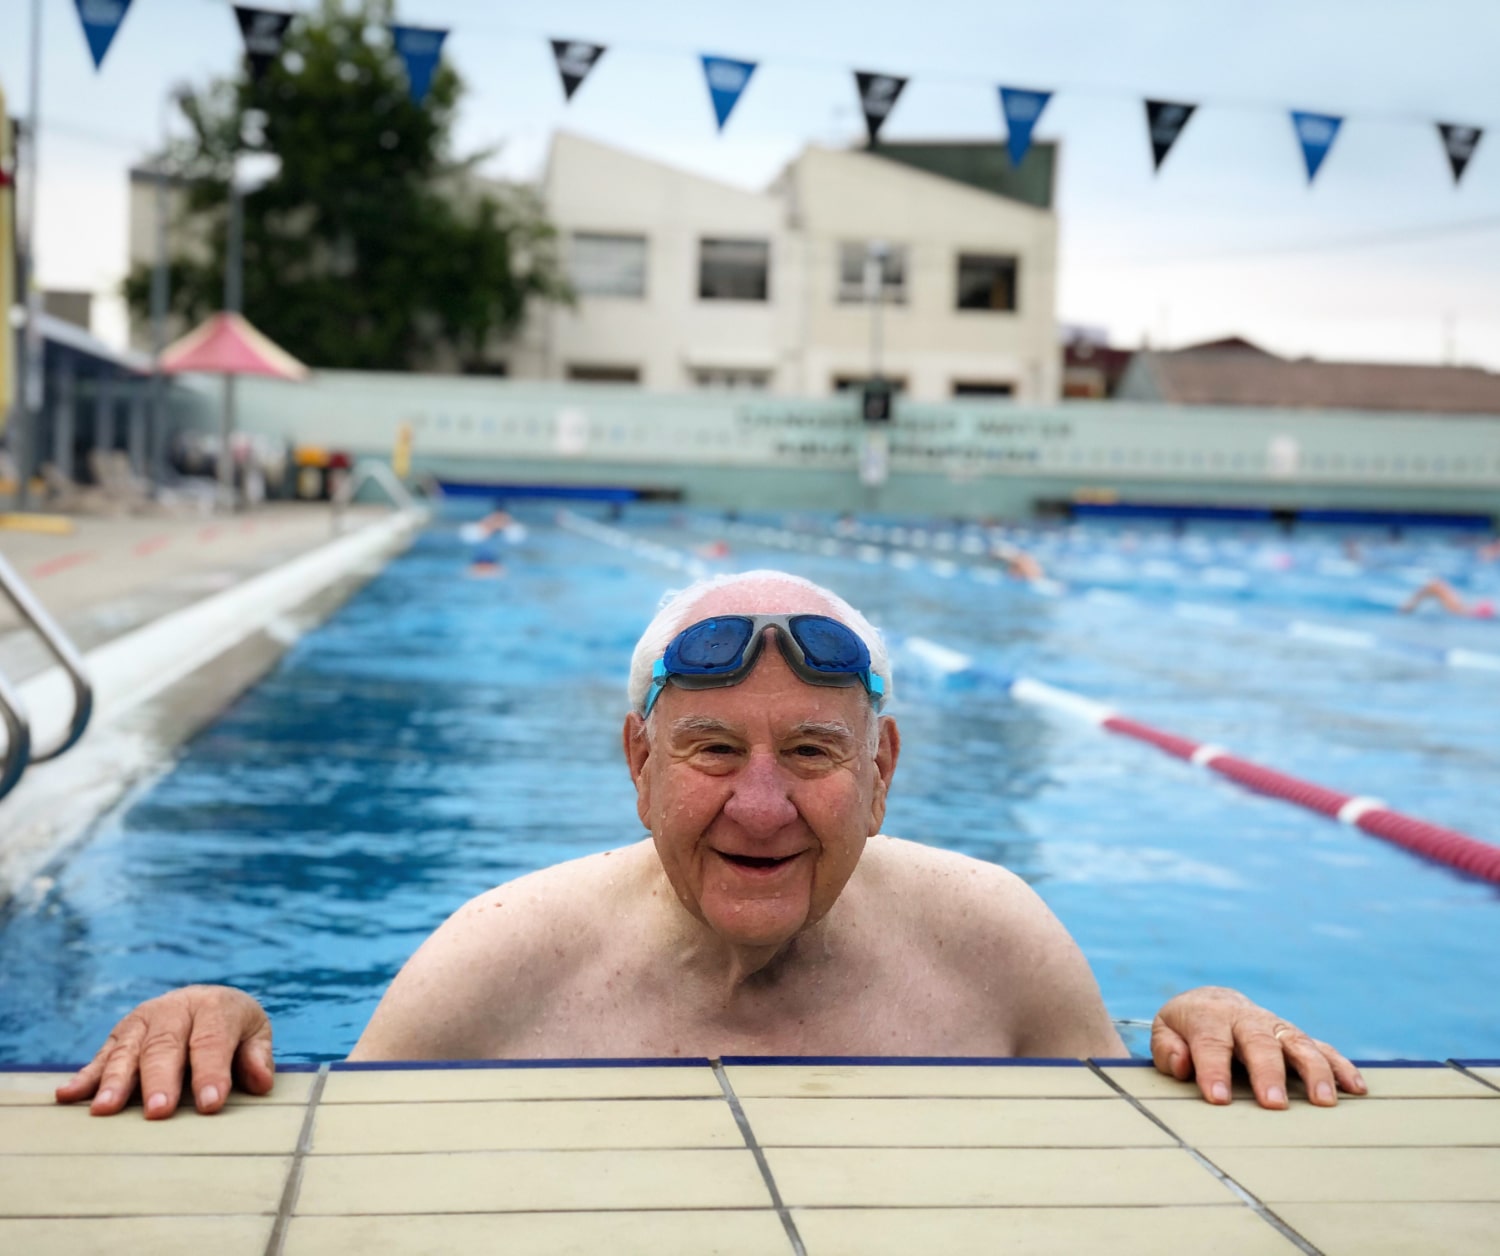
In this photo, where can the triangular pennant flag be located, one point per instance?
(101, 19)
(1021, 108)
(1316, 131)
(263, 31)
(727, 79)
(1165, 120)
(419, 47)
(575, 58)
(878, 94)
(1459, 142)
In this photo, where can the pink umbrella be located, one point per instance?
(228, 345)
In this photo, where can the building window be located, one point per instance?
(734, 270)
(986, 282)
(852, 273)
(584, 373)
(983, 388)
(607, 265)
(732, 378)
(847, 383)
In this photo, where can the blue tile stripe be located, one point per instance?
(964, 1061)
(377, 1066)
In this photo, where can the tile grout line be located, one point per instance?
(1251, 1200)
(740, 1119)
(293, 1187)
(1472, 1075)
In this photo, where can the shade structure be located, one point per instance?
(228, 345)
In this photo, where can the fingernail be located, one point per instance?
(208, 1096)
(1221, 1093)
(1174, 1062)
(1275, 1094)
(156, 1103)
(104, 1098)
(1359, 1081)
(1325, 1091)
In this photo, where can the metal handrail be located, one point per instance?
(62, 650)
(17, 739)
(364, 473)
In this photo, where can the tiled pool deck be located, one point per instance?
(757, 1157)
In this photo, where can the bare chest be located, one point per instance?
(897, 1005)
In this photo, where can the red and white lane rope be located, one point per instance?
(1434, 841)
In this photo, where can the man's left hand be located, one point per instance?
(1205, 1030)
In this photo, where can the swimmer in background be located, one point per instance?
(1018, 562)
(484, 565)
(1444, 594)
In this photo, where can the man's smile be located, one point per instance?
(758, 865)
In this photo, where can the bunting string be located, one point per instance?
(727, 78)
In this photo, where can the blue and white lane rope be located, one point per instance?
(903, 559)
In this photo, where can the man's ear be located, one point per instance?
(637, 742)
(887, 751)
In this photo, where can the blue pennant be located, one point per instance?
(419, 47)
(1022, 108)
(1316, 131)
(101, 19)
(727, 79)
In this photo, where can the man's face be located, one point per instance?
(759, 796)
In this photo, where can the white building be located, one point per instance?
(684, 282)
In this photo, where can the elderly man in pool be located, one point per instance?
(764, 915)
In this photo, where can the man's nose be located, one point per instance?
(761, 803)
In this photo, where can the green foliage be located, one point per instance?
(373, 247)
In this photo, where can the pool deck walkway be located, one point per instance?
(105, 576)
(742, 1157)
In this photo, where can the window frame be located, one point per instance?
(704, 244)
(642, 240)
(1013, 260)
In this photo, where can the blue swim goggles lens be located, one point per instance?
(721, 651)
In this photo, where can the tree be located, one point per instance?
(372, 247)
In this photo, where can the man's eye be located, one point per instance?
(809, 751)
(719, 747)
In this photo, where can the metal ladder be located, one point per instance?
(369, 471)
(19, 754)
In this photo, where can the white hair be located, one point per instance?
(677, 606)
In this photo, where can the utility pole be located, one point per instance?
(234, 277)
(28, 405)
(156, 456)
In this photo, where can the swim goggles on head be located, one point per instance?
(721, 651)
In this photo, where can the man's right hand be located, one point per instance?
(217, 1031)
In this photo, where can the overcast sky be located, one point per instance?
(1382, 258)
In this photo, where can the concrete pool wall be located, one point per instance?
(751, 451)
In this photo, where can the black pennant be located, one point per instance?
(263, 31)
(877, 97)
(575, 59)
(1165, 120)
(1459, 142)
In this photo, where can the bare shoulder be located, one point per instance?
(993, 929)
(493, 961)
(956, 888)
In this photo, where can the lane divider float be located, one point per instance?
(1371, 815)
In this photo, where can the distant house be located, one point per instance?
(1235, 372)
(1092, 368)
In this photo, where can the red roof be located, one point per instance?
(228, 345)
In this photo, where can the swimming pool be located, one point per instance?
(441, 734)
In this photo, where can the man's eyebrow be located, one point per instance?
(688, 725)
(833, 730)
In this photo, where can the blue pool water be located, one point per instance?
(442, 734)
